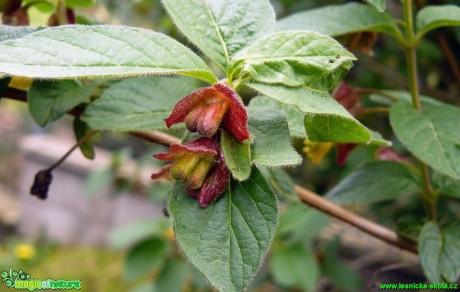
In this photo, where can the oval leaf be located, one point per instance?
(99, 51)
(432, 17)
(432, 135)
(294, 58)
(326, 120)
(228, 240)
(377, 4)
(137, 104)
(237, 156)
(222, 28)
(271, 145)
(374, 182)
(336, 20)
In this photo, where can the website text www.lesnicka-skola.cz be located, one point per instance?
(416, 286)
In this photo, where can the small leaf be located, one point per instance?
(439, 252)
(144, 257)
(8, 32)
(375, 182)
(293, 58)
(281, 182)
(99, 51)
(237, 156)
(293, 115)
(136, 231)
(432, 17)
(78, 3)
(379, 5)
(172, 276)
(335, 20)
(431, 135)
(271, 145)
(81, 129)
(48, 101)
(222, 28)
(295, 266)
(228, 240)
(447, 185)
(326, 120)
(137, 104)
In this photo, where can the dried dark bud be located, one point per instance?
(41, 184)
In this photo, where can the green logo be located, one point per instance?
(21, 280)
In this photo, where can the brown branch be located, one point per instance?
(305, 195)
(450, 57)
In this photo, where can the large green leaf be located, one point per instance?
(237, 156)
(374, 182)
(48, 101)
(377, 4)
(293, 115)
(137, 104)
(222, 28)
(8, 32)
(325, 119)
(439, 252)
(295, 266)
(432, 135)
(432, 17)
(99, 51)
(336, 20)
(228, 240)
(294, 58)
(271, 145)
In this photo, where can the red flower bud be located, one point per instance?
(200, 165)
(346, 96)
(342, 152)
(389, 154)
(205, 109)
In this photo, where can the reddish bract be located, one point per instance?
(200, 165)
(205, 109)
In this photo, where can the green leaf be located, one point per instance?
(281, 182)
(237, 156)
(137, 104)
(172, 276)
(432, 17)
(136, 231)
(48, 100)
(431, 135)
(81, 129)
(294, 58)
(144, 257)
(336, 20)
(99, 51)
(377, 4)
(325, 120)
(228, 240)
(447, 185)
(374, 182)
(78, 3)
(271, 145)
(439, 252)
(8, 32)
(293, 115)
(222, 28)
(377, 139)
(294, 266)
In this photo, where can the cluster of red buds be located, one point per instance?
(200, 164)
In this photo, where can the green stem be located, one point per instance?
(428, 197)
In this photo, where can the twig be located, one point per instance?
(305, 195)
(453, 63)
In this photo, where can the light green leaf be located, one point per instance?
(336, 20)
(375, 182)
(377, 4)
(172, 276)
(145, 256)
(78, 3)
(99, 51)
(431, 135)
(439, 252)
(48, 101)
(447, 185)
(294, 58)
(432, 17)
(326, 120)
(293, 115)
(227, 240)
(222, 28)
(138, 104)
(271, 145)
(237, 156)
(294, 266)
(137, 231)
(8, 32)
